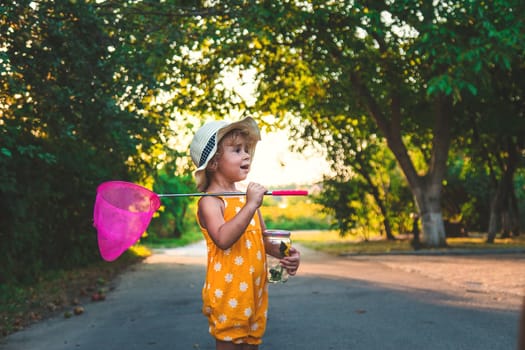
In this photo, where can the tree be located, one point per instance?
(173, 213)
(73, 113)
(495, 146)
(403, 64)
(361, 155)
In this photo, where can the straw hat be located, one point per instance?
(204, 144)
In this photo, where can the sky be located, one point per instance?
(274, 164)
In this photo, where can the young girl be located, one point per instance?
(235, 294)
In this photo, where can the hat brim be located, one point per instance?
(247, 126)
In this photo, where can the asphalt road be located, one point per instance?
(374, 302)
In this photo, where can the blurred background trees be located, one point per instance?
(418, 106)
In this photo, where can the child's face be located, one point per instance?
(234, 160)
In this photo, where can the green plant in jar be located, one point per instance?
(276, 273)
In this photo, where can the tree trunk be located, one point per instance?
(388, 229)
(505, 224)
(377, 197)
(501, 200)
(416, 242)
(514, 214)
(426, 189)
(428, 200)
(494, 214)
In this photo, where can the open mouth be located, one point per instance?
(245, 167)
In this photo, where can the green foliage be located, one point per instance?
(175, 215)
(467, 192)
(191, 235)
(409, 68)
(72, 114)
(88, 91)
(284, 222)
(338, 197)
(294, 214)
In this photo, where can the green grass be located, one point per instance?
(187, 238)
(330, 242)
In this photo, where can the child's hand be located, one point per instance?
(255, 194)
(292, 261)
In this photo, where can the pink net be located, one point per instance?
(122, 213)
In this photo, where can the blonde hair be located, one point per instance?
(231, 136)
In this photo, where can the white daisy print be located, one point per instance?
(247, 312)
(237, 209)
(228, 251)
(228, 338)
(228, 277)
(222, 318)
(252, 223)
(233, 303)
(248, 244)
(239, 260)
(218, 293)
(217, 267)
(254, 327)
(242, 199)
(243, 286)
(258, 281)
(252, 269)
(259, 255)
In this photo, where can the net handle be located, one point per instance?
(226, 194)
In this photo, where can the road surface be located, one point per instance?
(361, 302)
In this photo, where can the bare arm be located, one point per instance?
(225, 233)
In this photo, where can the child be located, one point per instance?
(235, 294)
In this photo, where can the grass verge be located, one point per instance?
(330, 242)
(187, 238)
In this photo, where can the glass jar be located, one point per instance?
(280, 238)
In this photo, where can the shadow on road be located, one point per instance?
(333, 303)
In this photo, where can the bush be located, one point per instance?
(295, 214)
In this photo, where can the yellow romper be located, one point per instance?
(235, 293)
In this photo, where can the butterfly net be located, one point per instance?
(122, 213)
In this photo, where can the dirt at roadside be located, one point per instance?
(503, 273)
(69, 295)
